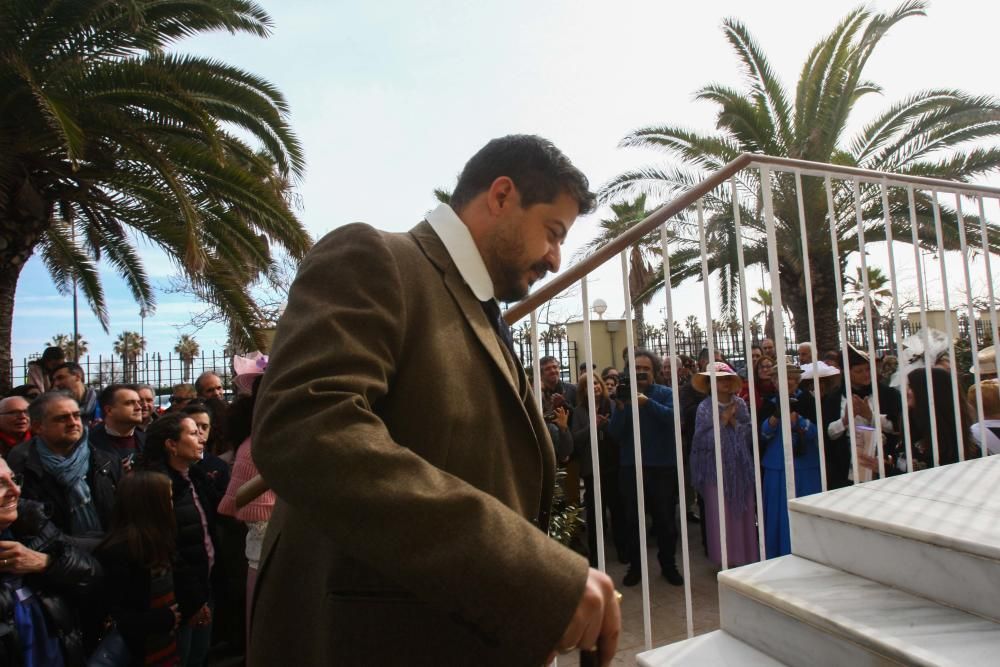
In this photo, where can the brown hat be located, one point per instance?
(702, 382)
(987, 361)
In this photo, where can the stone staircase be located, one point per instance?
(901, 571)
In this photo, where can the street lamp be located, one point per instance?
(600, 306)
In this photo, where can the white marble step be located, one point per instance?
(718, 648)
(935, 533)
(806, 613)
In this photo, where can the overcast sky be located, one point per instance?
(390, 98)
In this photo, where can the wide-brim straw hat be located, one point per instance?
(723, 373)
(987, 361)
(820, 369)
(247, 369)
(856, 357)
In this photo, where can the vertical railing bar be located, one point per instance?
(598, 499)
(872, 368)
(897, 324)
(678, 439)
(949, 332)
(964, 250)
(842, 322)
(536, 371)
(779, 330)
(807, 272)
(713, 387)
(748, 345)
(989, 273)
(923, 301)
(637, 448)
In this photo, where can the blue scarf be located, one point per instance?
(71, 473)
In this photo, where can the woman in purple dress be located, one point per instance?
(737, 467)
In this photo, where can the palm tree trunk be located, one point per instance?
(9, 273)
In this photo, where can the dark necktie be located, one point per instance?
(500, 326)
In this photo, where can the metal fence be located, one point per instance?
(157, 370)
(744, 207)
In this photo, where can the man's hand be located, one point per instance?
(597, 621)
(862, 407)
(15, 558)
(643, 399)
(562, 418)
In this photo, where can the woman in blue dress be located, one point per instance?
(805, 453)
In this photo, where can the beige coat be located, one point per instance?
(411, 463)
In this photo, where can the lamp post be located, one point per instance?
(600, 306)
(143, 314)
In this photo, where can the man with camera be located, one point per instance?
(659, 464)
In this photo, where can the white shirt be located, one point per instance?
(992, 442)
(458, 242)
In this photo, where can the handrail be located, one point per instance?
(688, 198)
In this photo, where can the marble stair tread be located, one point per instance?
(850, 614)
(716, 648)
(955, 506)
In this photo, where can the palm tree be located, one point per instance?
(130, 346)
(187, 348)
(643, 280)
(936, 133)
(106, 136)
(65, 343)
(879, 291)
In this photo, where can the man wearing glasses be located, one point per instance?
(75, 481)
(13, 423)
(181, 396)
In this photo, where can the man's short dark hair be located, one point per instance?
(73, 367)
(53, 354)
(107, 395)
(38, 407)
(539, 170)
(548, 359)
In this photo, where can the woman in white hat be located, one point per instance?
(737, 466)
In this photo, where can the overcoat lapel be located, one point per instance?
(472, 311)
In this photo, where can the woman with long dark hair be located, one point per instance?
(173, 446)
(919, 403)
(138, 559)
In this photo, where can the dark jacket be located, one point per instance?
(72, 575)
(607, 447)
(127, 595)
(99, 438)
(838, 450)
(192, 586)
(656, 428)
(102, 478)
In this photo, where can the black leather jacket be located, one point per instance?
(102, 477)
(72, 574)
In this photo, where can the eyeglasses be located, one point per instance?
(15, 480)
(10, 413)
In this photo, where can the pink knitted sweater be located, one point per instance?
(243, 471)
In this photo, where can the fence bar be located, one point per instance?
(713, 395)
(597, 500)
(747, 343)
(950, 334)
(872, 368)
(678, 439)
(647, 624)
(842, 323)
(779, 331)
(807, 273)
(923, 300)
(989, 273)
(536, 371)
(897, 324)
(974, 335)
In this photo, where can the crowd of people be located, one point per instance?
(827, 397)
(120, 539)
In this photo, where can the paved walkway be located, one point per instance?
(667, 602)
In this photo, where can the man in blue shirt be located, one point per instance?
(659, 466)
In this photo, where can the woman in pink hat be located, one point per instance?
(249, 372)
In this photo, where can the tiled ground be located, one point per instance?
(667, 602)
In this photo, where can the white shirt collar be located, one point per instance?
(463, 251)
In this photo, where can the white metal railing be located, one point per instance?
(843, 188)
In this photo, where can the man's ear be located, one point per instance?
(501, 194)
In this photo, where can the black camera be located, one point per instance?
(623, 392)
